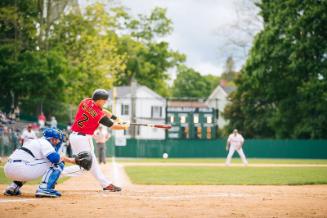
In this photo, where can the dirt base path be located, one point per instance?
(82, 197)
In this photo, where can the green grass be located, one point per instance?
(227, 175)
(220, 160)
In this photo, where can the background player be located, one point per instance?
(235, 141)
(28, 134)
(89, 115)
(36, 158)
(101, 135)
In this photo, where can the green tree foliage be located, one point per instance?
(91, 48)
(17, 36)
(51, 58)
(282, 90)
(190, 83)
(147, 59)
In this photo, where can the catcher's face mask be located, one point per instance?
(54, 141)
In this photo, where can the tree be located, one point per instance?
(147, 59)
(282, 88)
(17, 35)
(91, 48)
(190, 83)
(237, 37)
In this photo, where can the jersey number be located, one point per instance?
(81, 121)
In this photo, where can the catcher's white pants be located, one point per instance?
(26, 170)
(81, 143)
(232, 149)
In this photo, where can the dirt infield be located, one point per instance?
(82, 198)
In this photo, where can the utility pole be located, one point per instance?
(133, 107)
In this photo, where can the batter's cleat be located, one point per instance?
(112, 188)
(50, 193)
(12, 192)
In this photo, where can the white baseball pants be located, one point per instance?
(232, 149)
(26, 170)
(81, 143)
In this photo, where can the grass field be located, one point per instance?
(173, 175)
(209, 175)
(220, 160)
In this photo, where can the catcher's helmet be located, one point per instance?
(100, 94)
(49, 133)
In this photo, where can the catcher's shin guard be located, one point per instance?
(50, 178)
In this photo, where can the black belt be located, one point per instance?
(27, 150)
(79, 133)
(16, 161)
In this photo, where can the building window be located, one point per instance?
(208, 133)
(209, 119)
(171, 118)
(198, 134)
(183, 119)
(124, 109)
(185, 132)
(156, 111)
(196, 118)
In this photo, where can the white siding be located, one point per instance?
(218, 100)
(145, 99)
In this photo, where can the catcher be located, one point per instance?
(90, 114)
(40, 157)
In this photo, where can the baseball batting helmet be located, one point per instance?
(100, 94)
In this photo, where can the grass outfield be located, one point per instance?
(220, 160)
(227, 175)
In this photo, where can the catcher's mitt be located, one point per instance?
(84, 160)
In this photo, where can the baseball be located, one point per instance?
(165, 155)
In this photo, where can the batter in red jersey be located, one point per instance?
(89, 115)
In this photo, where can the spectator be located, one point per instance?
(5, 141)
(53, 122)
(3, 118)
(17, 113)
(14, 136)
(28, 134)
(41, 119)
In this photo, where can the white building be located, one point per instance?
(218, 100)
(149, 107)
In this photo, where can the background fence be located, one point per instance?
(254, 148)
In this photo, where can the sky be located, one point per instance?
(199, 27)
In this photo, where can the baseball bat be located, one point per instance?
(160, 126)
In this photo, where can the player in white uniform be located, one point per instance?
(36, 158)
(28, 134)
(235, 141)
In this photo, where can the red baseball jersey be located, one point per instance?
(87, 117)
